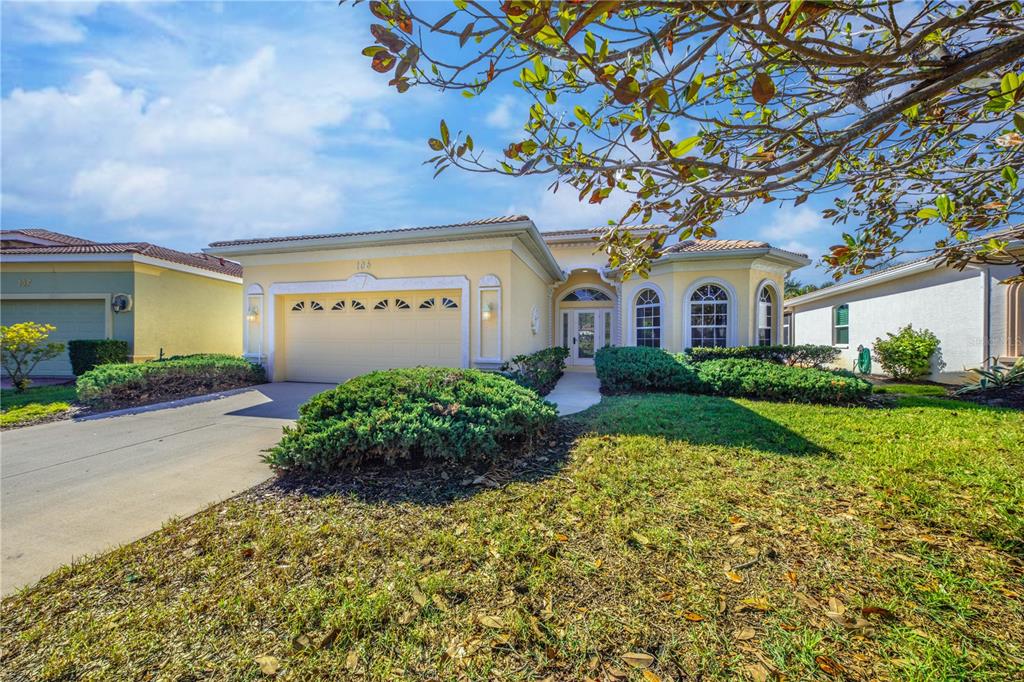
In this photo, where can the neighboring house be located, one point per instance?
(974, 314)
(329, 307)
(156, 299)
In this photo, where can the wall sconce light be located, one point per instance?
(254, 314)
(488, 311)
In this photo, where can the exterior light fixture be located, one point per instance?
(488, 311)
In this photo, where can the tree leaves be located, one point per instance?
(764, 88)
(684, 146)
(638, 659)
(627, 90)
(269, 665)
(591, 13)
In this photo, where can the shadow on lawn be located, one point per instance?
(700, 420)
(431, 483)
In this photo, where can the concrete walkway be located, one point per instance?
(76, 488)
(575, 392)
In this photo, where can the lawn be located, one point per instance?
(653, 537)
(34, 404)
(934, 390)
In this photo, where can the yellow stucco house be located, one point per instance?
(155, 298)
(329, 307)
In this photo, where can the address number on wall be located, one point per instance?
(363, 265)
(23, 283)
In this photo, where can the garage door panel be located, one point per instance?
(335, 345)
(74, 319)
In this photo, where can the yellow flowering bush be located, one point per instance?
(23, 346)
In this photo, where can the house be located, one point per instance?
(329, 307)
(976, 314)
(159, 300)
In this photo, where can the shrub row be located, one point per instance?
(127, 384)
(629, 369)
(86, 354)
(808, 355)
(632, 369)
(452, 415)
(539, 371)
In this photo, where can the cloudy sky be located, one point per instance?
(184, 123)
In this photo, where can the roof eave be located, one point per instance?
(121, 257)
(868, 280)
(794, 259)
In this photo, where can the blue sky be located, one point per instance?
(185, 123)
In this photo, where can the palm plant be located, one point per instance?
(996, 377)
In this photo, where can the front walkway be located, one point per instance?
(575, 392)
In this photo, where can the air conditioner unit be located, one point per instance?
(121, 303)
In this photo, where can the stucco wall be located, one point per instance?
(946, 301)
(43, 279)
(527, 290)
(184, 313)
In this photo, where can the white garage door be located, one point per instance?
(74, 319)
(334, 337)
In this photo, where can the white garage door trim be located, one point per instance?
(108, 314)
(363, 281)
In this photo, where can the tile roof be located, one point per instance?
(702, 245)
(48, 235)
(293, 238)
(196, 260)
(600, 230)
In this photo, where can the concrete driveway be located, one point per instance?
(77, 488)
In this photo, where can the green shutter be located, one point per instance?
(842, 315)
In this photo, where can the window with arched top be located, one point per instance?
(357, 305)
(648, 319)
(765, 317)
(315, 305)
(339, 305)
(401, 304)
(586, 294)
(448, 303)
(298, 307)
(709, 317)
(427, 304)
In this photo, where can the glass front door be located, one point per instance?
(584, 332)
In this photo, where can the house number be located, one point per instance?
(363, 265)
(23, 283)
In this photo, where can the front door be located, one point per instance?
(585, 331)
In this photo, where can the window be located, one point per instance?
(709, 317)
(427, 304)
(765, 319)
(254, 320)
(841, 325)
(787, 329)
(648, 319)
(448, 303)
(358, 305)
(301, 305)
(401, 305)
(340, 305)
(586, 294)
(382, 304)
(315, 305)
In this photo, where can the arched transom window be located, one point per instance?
(765, 317)
(648, 319)
(586, 294)
(709, 317)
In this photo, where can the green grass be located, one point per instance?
(625, 544)
(34, 404)
(934, 390)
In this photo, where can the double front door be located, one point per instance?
(584, 331)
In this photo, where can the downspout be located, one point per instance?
(986, 315)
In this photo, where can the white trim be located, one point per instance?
(896, 272)
(662, 302)
(108, 312)
(117, 258)
(363, 281)
(832, 320)
(776, 314)
(731, 315)
(600, 287)
(480, 320)
(489, 281)
(254, 290)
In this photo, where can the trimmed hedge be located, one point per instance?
(86, 354)
(128, 384)
(769, 381)
(539, 371)
(809, 355)
(452, 415)
(627, 369)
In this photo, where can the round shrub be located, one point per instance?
(452, 415)
(768, 381)
(625, 369)
(907, 354)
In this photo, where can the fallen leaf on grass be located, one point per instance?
(744, 633)
(691, 616)
(329, 638)
(638, 659)
(640, 539)
(494, 622)
(756, 672)
(828, 666)
(300, 642)
(352, 660)
(836, 606)
(755, 603)
(791, 577)
(439, 602)
(808, 601)
(651, 677)
(269, 665)
(734, 576)
(418, 596)
(884, 614)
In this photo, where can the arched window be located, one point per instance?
(709, 317)
(586, 294)
(765, 317)
(648, 319)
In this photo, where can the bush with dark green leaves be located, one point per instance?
(628, 369)
(808, 355)
(86, 354)
(450, 415)
(539, 371)
(769, 381)
(907, 354)
(129, 384)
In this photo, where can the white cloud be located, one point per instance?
(788, 223)
(47, 22)
(504, 114)
(562, 210)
